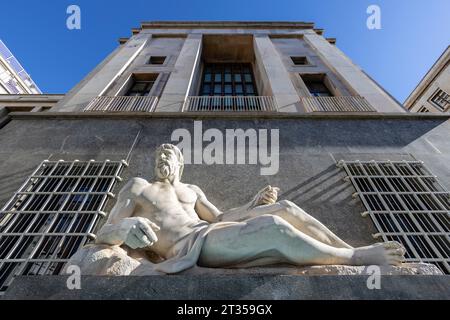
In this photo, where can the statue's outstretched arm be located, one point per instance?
(205, 209)
(121, 227)
(267, 195)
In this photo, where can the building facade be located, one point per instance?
(13, 77)
(432, 94)
(336, 143)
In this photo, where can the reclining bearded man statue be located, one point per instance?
(176, 222)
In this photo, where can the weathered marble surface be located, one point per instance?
(100, 262)
(405, 269)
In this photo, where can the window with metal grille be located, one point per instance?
(441, 99)
(228, 79)
(53, 214)
(407, 204)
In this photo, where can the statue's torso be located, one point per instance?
(172, 208)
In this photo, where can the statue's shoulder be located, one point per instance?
(195, 188)
(134, 186)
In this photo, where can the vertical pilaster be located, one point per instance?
(274, 72)
(351, 74)
(103, 75)
(181, 80)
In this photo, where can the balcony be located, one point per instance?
(337, 104)
(230, 103)
(122, 104)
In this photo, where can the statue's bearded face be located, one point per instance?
(166, 164)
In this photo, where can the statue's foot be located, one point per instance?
(387, 253)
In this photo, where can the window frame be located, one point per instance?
(222, 79)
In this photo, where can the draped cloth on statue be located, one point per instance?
(186, 252)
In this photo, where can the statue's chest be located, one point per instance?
(162, 196)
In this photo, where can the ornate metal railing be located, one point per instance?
(337, 104)
(230, 103)
(122, 103)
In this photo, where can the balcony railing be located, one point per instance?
(122, 104)
(337, 104)
(230, 103)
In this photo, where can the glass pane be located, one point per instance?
(206, 89)
(218, 77)
(227, 77)
(139, 86)
(237, 78)
(228, 89)
(239, 89)
(249, 88)
(207, 77)
(248, 78)
(217, 89)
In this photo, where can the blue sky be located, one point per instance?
(413, 34)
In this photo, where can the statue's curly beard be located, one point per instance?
(166, 170)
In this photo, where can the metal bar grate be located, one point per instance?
(230, 103)
(122, 104)
(337, 104)
(407, 204)
(53, 214)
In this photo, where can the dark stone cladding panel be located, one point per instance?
(264, 287)
(309, 149)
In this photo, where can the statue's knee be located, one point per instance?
(272, 222)
(288, 204)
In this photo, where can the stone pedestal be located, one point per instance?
(324, 282)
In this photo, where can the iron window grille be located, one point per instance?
(407, 204)
(53, 214)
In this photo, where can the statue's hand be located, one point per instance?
(138, 232)
(268, 195)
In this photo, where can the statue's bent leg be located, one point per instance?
(98, 259)
(269, 239)
(297, 217)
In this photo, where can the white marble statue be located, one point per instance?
(175, 221)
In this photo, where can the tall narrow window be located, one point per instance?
(407, 204)
(316, 85)
(52, 215)
(141, 84)
(228, 79)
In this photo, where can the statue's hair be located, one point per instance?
(180, 158)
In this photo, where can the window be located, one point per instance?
(407, 204)
(300, 61)
(316, 85)
(423, 109)
(228, 79)
(52, 215)
(441, 99)
(156, 60)
(141, 84)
